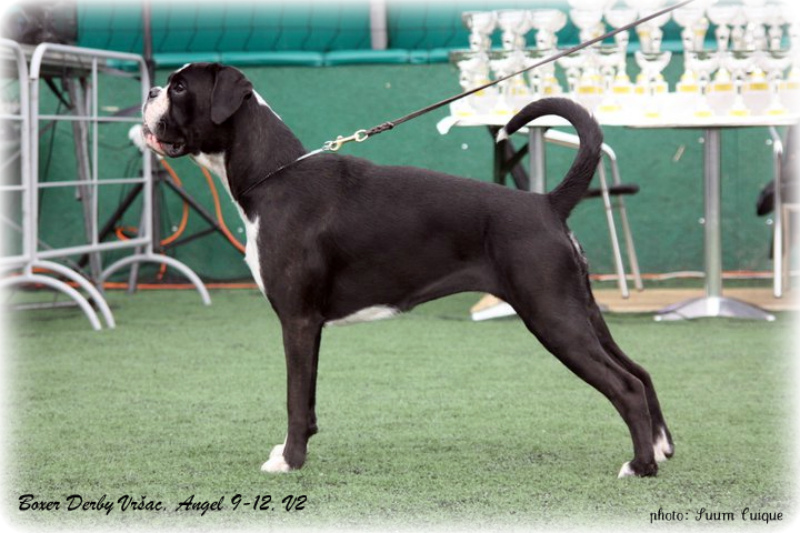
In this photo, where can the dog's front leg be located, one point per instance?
(301, 340)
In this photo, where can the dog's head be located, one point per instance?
(188, 116)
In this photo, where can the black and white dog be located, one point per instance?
(333, 237)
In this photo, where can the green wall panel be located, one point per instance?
(321, 103)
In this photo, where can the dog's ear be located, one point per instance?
(231, 88)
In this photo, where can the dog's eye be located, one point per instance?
(178, 87)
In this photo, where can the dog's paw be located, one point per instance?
(276, 463)
(631, 469)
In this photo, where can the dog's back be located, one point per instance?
(412, 235)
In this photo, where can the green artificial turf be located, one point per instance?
(426, 420)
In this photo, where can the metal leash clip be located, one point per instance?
(333, 146)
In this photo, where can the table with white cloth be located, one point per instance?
(713, 303)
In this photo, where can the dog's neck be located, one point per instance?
(264, 143)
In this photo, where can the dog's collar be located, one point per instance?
(329, 146)
(278, 171)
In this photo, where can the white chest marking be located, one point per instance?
(216, 164)
(251, 250)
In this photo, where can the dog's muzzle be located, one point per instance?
(154, 126)
(162, 146)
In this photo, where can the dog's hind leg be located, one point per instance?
(570, 337)
(662, 439)
(301, 340)
(553, 302)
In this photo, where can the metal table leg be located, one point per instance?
(538, 170)
(713, 304)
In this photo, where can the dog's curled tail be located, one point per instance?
(570, 191)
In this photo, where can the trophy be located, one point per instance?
(473, 71)
(652, 64)
(722, 16)
(775, 19)
(514, 24)
(588, 21)
(775, 62)
(754, 15)
(572, 64)
(703, 63)
(739, 62)
(502, 64)
(650, 33)
(481, 24)
(590, 83)
(617, 18)
(609, 61)
(694, 26)
(547, 23)
(794, 72)
(721, 87)
(542, 80)
(738, 31)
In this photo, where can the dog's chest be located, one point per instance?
(252, 255)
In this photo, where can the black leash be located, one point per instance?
(363, 135)
(386, 126)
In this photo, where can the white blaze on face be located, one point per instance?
(156, 108)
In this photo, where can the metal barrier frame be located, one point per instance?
(24, 187)
(781, 222)
(27, 260)
(33, 258)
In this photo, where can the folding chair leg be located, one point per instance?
(626, 230)
(622, 282)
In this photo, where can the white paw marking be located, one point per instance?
(662, 447)
(277, 451)
(626, 471)
(276, 463)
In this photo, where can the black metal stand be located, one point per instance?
(161, 179)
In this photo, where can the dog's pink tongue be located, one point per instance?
(152, 142)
